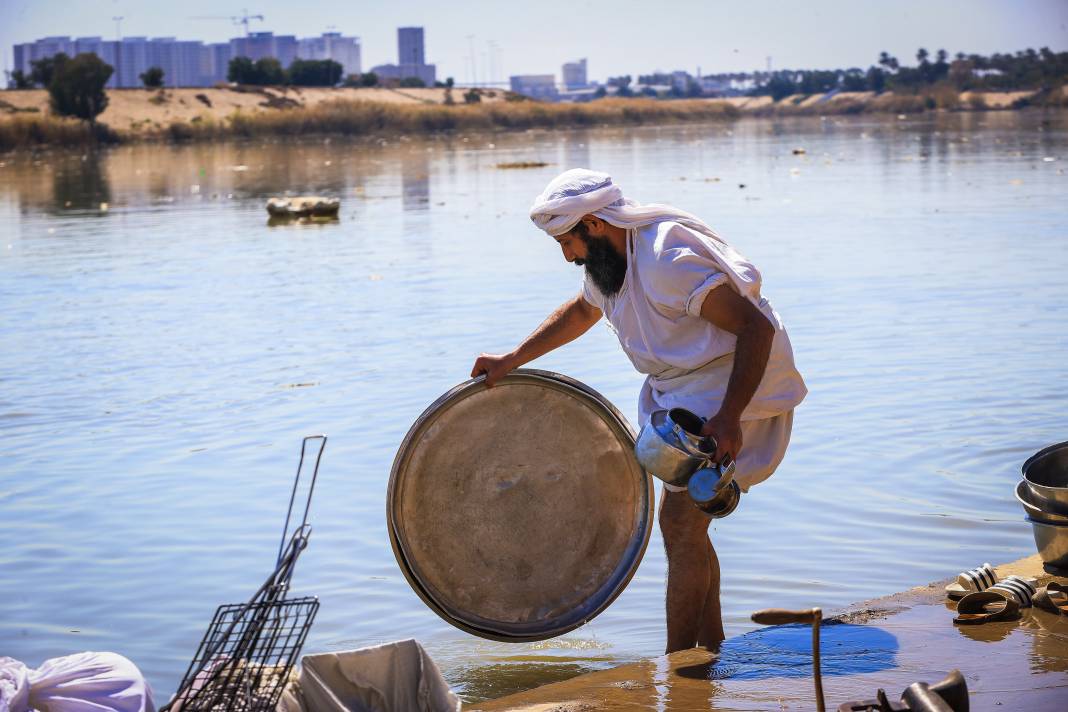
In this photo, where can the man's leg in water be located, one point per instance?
(693, 609)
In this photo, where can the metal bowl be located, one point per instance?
(1052, 543)
(1036, 509)
(1047, 473)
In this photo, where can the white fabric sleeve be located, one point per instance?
(681, 273)
(591, 294)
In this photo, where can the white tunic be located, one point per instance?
(688, 361)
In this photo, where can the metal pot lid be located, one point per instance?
(520, 512)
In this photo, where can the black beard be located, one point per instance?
(606, 267)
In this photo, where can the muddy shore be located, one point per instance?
(888, 643)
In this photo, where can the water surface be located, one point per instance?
(163, 354)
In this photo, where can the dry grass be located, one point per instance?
(358, 118)
(369, 118)
(23, 131)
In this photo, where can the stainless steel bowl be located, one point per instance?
(1052, 543)
(1036, 509)
(1047, 474)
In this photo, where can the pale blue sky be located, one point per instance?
(617, 37)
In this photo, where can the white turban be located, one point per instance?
(580, 191)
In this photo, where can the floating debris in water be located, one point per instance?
(301, 385)
(104, 207)
(375, 278)
(1015, 181)
(711, 180)
(741, 185)
(302, 207)
(239, 169)
(1049, 159)
(800, 151)
(795, 171)
(522, 164)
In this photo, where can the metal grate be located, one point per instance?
(245, 658)
(244, 661)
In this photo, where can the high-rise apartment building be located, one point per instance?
(411, 59)
(332, 45)
(191, 63)
(410, 48)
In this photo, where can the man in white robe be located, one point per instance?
(688, 313)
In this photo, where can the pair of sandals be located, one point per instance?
(984, 598)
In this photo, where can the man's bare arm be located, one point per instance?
(728, 310)
(571, 320)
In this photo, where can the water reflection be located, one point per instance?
(415, 179)
(151, 355)
(81, 185)
(488, 682)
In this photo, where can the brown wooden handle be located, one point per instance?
(779, 616)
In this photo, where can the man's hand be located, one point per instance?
(727, 432)
(495, 366)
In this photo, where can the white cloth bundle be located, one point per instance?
(86, 682)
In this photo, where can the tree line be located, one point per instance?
(1026, 69)
(268, 71)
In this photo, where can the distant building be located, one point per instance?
(332, 45)
(716, 86)
(218, 56)
(260, 45)
(536, 86)
(574, 75)
(410, 48)
(134, 60)
(411, 55)
(191, 63)
(108, 50)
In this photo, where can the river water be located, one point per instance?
(161, 357)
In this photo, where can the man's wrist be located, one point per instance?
(727, 413)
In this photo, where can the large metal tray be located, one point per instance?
(519, 513)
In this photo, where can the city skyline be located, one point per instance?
(621, 38)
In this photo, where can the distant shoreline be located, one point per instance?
(179, 115)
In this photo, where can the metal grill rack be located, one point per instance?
(247, 654)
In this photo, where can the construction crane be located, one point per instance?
(241, 19)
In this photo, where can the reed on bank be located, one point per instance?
(366, 118)
(36, 130)
(362, 118)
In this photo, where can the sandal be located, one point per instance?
(999, 602)
(978, 579)
(1053, 598)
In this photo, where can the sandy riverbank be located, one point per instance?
(220, 113)
(143, 111)
(888, 643)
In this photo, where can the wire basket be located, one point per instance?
(245, 659)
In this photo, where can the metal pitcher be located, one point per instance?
(670, 447)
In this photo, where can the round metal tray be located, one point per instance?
(519, 513)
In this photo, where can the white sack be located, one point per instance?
(395, 677)
(86, 682)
